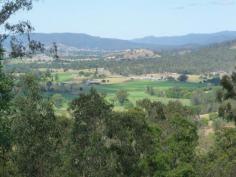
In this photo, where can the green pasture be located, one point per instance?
(140, 85)
(137, 90)
(65, 76)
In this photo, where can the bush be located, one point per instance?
(218, 124)
(203, 123)
(122, 96)
(150, 90)
(183, 78)
(213, 116)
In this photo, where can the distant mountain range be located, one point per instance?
(190, 39)
(78, 41)
(84, 41)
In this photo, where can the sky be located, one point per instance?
(128, 19)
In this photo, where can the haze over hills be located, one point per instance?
(84, 41)
(190, 39)
(77, 41)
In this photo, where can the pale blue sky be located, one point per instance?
(128, 19)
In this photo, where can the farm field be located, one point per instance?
(140, 85)
(71, 82)
(136, 90)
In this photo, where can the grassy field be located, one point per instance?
(137, 90)
(65, 76)
(140, 85)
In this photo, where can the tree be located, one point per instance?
(56, 77)
(150, 90)
(18, 49)
(181, 147)
(106, 143)
(58, 100)
(227, 96)
(183, 78)
(130, 141)
(9, 8)
(155, 110)
(178, 138)
(88, 152)
(54, 51)
(49, 85)
(122, 96)
(36, 132)
(214, 81)
(6, 86)
(5, 145)
(221, 160)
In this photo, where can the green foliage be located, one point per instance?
(150, 90)
(177, 92)
(126, 144)
(36, 132)
(6, 86)
(5, 146)
(218, 124)
(178, 139)
(203, 123)
(130, 141)
(221, 160)
(58, 100)
(88, 152)
(122, 96)
(205, 101)
(227, 97)
(155, 110)
(153, 140)
(181, 145)
(213, 116)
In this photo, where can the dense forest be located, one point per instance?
(151, 139)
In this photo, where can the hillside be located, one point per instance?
(68, 41)
(189, 40)
(73, 42)
(133, 54)
(217, 58)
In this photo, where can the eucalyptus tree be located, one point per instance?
(36, 131)
(18, 49)
(13, 31)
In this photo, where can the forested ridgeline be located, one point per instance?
(214, 58)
